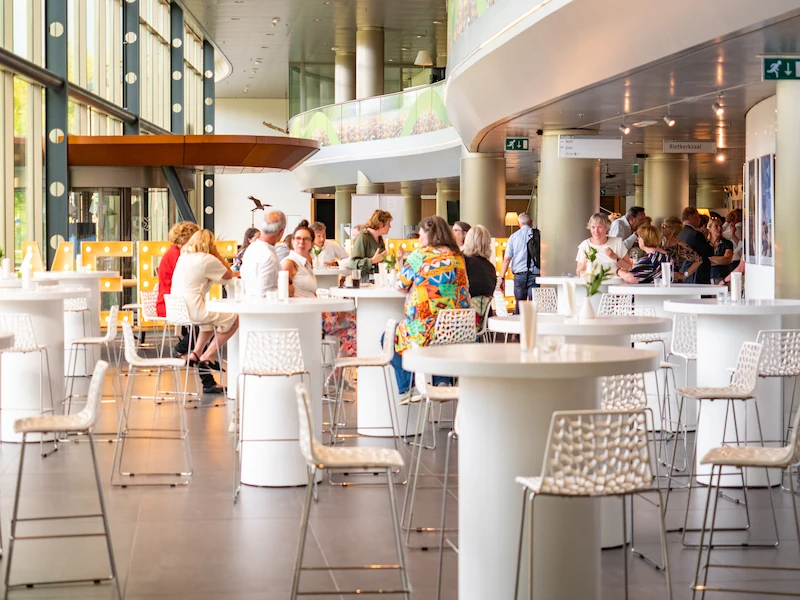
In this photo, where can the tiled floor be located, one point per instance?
(192, 543)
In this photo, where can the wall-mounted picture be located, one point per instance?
(766, 179)
(750, 211)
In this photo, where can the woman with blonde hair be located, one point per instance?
(200, 266)
(369, 248)
(611, 251)
(478, 255)
(179, 234)
(681, 254)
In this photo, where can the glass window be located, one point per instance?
(23, 190)
(73, 50)
(91, 30)
(21, 18)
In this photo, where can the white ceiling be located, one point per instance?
(307, 31)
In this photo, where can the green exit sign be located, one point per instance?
(781, 67)
(513, 144)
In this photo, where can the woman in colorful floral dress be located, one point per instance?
(435, 276)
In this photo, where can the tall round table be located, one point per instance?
(505, 406)
(19, 395)
(329, 277)
(74, 322)
(606, 330)
(722, 328)
(271, 403)
(653, 296)
(374, 307)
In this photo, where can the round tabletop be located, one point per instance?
(502, 361)
(678, 289)
(6, 340)
(547, 324)
(558, 280)
(742, 308)
(58, 275)
(262, 306)
(368, 291)
(10, 283)
(52, 292)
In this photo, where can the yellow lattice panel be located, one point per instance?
(124, 315)
(111, 284)
(64, 260)
(36, 263)
(146, 267)
(227, 248)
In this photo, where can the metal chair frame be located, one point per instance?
(307, 445)
(120, 478)
(95, 394)
(291, 336)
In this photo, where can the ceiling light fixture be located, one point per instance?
(316, 20)
(669, 120)
(275, 21)
(718, 109)
(419, 37)
(404, 48)
(437, 22)
(721, 157)
(624, 129)
(423, 59)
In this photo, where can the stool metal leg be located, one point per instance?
(301, 542)
(442, 538)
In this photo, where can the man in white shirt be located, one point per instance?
(626, 226)
(260, 263)
(326, 253)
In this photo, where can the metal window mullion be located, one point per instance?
(209, 127)
(131, 48)
(37, 29)
(177, 100)
(101, 33)
(55, 129)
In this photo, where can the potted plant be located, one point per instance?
(594, 276)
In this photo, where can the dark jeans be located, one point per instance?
(522, 286)
(405, 379)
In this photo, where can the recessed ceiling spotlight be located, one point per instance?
(624, 129)
(391, 60)
(404, 48)
(327, 2)
(238, 1)
(275, 21)
(234, 18)
(316, 20)
(437, 22)
(246, 90)
(420, 37)
(334, 48)
(669, 120)
(718, 109)
(721, 157)
(257, 62)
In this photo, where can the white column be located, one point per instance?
(344, 202)
(344, 75)
(569, 193)
(787, 182)
(483, 190)
(369, 62)
(666, 185)
(365, 186)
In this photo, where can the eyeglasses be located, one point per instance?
(302, 239)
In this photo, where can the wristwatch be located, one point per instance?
(686, 273)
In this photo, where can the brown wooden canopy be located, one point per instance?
(235, 153)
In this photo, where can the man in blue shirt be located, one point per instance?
(524, 268)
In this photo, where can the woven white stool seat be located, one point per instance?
(271, 353)
(615, 305)
(499, 301)
(546, 299)
(742, 387)
(122, 477)
(455, 326)
(75, 304)
(82, 422)
(108, 340)
(21, 325)
(381, 361)
(318, 456)
(594, 454)
(753, 457)
(148, 312)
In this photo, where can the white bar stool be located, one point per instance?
(108, 341)
(615, 305)
(324, 457)
(273, 353)
(21, 326)
(546, 299)
(592, 454)
(83, 422)
(122, 478)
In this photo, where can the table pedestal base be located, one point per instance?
(503, 431)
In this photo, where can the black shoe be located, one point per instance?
(214, 389)
(210, 366)
(176, 353)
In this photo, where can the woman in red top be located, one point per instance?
(178, 236)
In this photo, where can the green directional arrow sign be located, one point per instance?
(780, 68)
(516, 144)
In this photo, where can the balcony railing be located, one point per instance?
(413, 111)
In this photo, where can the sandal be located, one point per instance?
(192, 362)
